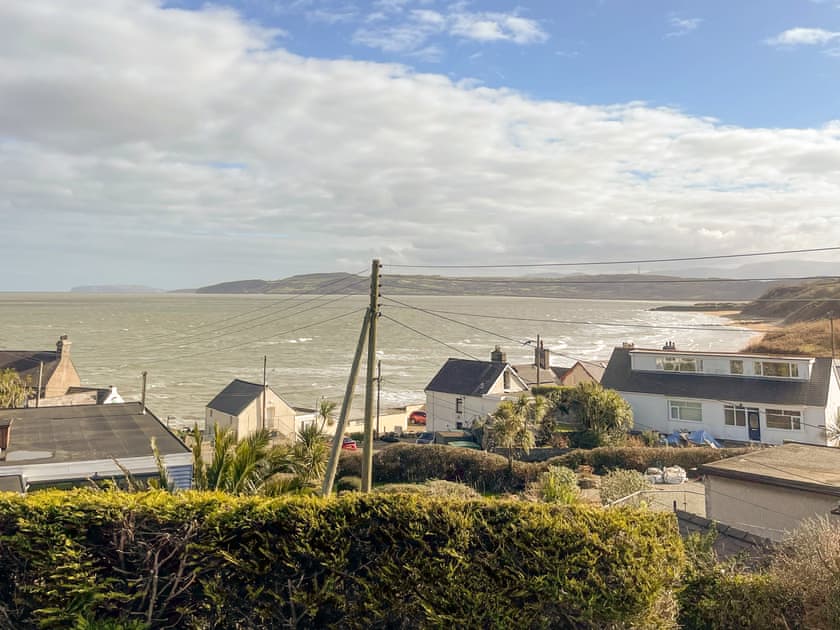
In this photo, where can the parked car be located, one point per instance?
(425, 438)
(417, 417)
(349, 444)
(465, 444)
(389, 437)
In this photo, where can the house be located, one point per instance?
(464, 390)
(58, 374)
(541, 372)
(247, 407)
(772, 490)
(70, 446)
(729, 542)
(733, 396)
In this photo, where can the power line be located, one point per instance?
(422, 334)
(559, 281)
(623, 262)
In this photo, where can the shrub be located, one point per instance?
(808, 563)
(348, 484)
(433, 488)
(622, 483)
(208, 560)
(642, 458)
(558, 484)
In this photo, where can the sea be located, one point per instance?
(193, 345)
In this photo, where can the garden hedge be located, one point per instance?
(208, 560)
(641, 458)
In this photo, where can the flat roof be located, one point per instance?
(47, 435)
(791, 465)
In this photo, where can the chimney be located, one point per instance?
(669, 345)
(628, 345)
(62, 348)
(5, 435)
(542, 357)
(497, 356)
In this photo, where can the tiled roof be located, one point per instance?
(467, 377)
(813, 392)
(85, 432)
(27, 363)
(551, 376)
(234, 398)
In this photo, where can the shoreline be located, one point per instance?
(759, 326)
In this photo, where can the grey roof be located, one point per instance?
(466, 376)
(813, 392)
(791, 465)
(234, 398)
(729, 541)
(85, 432)
(99, 393)
(27, 363)
(548, 376)
(11, 483)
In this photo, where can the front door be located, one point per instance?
(754, 425)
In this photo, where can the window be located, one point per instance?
(775, 368)
(459, 405)
(734, 416)
(736, 366)
(686, 411)
(784, 419)
(679, 364)
(506, 380)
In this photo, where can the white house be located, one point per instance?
(733, 396)
(772, 490)
(464, 390)
(70, 446)
(247, 407)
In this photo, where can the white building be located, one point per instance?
(733, 396)
(247, 407)
(464, 390)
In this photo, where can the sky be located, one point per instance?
(178, 144)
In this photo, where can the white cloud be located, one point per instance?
(682, 26)
(803, 37)
(178, 148)
(496, 27)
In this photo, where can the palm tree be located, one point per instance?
(14, 391)
(511, 424)
(311, 451)
(236, 467)
(326, 410)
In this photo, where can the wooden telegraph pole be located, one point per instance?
(373, 315)
(341, 423)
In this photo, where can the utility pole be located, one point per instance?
(40, 385)
(538, 355)
(265, 389)
(373, 315)
(341, 424)
(831, 329)
(378, 393)
(143, 393)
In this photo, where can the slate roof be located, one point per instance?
(551, 376)
(99, 394)
(466, 377)
(11, 483)
(27, 363)
(813, 392)
(729, 541)
(234, 398)
(85, 432)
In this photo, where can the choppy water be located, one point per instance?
(193, 345)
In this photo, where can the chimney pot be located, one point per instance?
(497, 356)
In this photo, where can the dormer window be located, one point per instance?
(679, 364)
(777, 369)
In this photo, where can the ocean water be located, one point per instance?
(193, 345)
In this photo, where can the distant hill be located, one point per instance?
(115, 288)
(803, 302)
(607, 286)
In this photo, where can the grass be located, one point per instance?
(804, 338)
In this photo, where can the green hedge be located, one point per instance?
(641, 458)
(413, 463)
(205, 560)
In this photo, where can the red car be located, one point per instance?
(349, 444)
(417, 417)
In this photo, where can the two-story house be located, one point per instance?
(733, 396)
(464, 390)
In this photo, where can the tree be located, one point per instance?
(236, 467)
(326, 411)
(14, 391)
(311, 451)
(510, 424)
(601, 411)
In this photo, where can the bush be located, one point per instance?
(208, 560)
(642, 458)
(413, 463)
(558, 484)
(618, 484)
(348, 484)
(433, 488)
